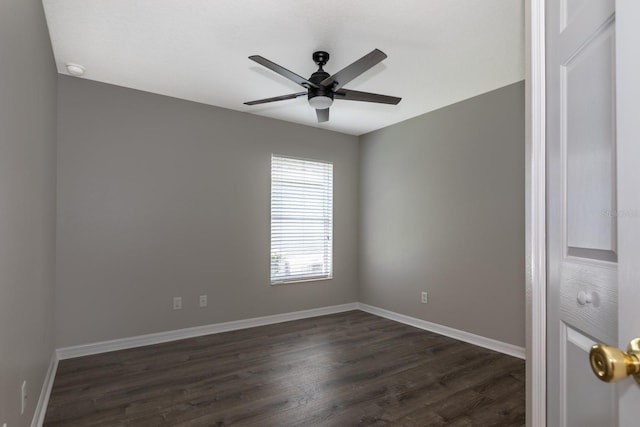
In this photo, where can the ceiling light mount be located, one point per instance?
(320, 58)
(76, 70)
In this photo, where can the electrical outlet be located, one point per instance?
(177, 303)
(423, 297)
(203, 300)
(23, 399)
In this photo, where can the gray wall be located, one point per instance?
(442, 210)
(27, 205)
(159, 197)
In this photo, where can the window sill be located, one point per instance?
(305, 280)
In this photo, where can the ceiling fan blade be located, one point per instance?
(352, 71)
(323, 115)
(283, 72)
(354, 95)
(276, 98)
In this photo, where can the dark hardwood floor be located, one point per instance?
(346, 369)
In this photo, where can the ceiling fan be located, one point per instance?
(322, 88)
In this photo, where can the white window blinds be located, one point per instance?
(301, 219)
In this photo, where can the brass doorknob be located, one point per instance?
(610, 364)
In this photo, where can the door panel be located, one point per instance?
(568, 11)
(580, 379)
(588, 121)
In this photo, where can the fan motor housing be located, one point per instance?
(316, 78)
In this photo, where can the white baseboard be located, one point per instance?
(491, 344)
(47, 386)
(178, 334)
(216, 328)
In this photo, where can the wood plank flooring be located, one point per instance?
(347, 369)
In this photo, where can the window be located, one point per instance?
(301, 219)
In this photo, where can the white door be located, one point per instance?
(593, 199)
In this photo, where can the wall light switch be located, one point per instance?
(177, 303)
(424, 298)
(203, 300)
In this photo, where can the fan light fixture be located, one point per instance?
(320, 102)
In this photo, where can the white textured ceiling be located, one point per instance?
(439, 51)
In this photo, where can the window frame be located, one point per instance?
(301, 278)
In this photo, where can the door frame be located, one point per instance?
(535, 213)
